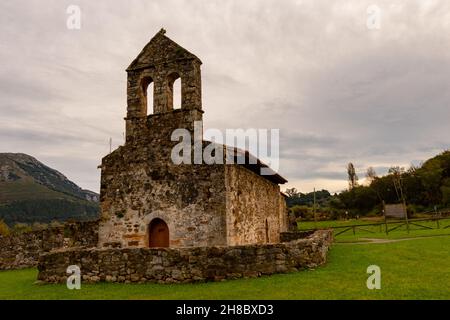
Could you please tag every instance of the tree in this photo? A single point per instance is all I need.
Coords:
(397, 173)
(292, 192)
(445, 190)
(371, 174)
(352, 177)
(431, 175)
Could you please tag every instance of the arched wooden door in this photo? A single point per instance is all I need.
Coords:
(158, 235)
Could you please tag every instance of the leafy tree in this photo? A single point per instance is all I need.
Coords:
(445, 190)
(352, 177)
(431, 176)
(298, 198)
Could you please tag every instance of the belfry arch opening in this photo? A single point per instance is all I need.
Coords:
(158, 234)
(148, 90)
(174, 99)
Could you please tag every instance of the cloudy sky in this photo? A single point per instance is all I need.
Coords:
(338, 84)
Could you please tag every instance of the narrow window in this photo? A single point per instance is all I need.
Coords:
(177, 94)
(173, 91)
(147, 96)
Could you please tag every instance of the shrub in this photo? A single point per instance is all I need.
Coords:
(299, 211)
(375, 212)
(4, 229)
(55, 224)
(309, 215)
(37, 226)
(21, 228)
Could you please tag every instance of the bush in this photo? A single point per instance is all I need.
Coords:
(37, 226)
(21, 228)
(56, 224)
(299, 211)
(309, 215)
(4, 229)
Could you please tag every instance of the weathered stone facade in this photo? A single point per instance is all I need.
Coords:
(256, 211)
(23, 250)
(193, 204)
(171, 265)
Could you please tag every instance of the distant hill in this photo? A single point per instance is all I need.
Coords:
(33, 192)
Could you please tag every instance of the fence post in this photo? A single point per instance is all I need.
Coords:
(384, 213)
(386, 225)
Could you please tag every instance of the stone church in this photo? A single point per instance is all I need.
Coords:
(148, 201)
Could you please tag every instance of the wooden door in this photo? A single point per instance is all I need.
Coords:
(158, 234)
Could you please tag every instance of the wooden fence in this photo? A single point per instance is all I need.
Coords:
(438, 222)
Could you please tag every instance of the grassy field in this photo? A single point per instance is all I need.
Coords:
(411, 269)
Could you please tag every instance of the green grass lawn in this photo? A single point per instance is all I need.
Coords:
(410, 269)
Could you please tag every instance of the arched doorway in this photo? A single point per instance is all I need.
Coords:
(158, 233)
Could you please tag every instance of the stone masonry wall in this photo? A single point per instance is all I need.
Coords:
(256, 210)
(181, 265)
(23, 250)
(294, 235)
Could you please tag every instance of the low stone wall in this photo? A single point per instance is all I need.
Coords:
(170, 265)
(23, 250)
(294, 235)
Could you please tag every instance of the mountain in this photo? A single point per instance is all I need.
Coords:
(33, 192)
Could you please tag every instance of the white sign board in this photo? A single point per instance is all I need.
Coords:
(395, 211)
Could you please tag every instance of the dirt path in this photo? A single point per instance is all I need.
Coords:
(376, 240)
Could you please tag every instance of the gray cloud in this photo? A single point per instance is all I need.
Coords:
(337, 91)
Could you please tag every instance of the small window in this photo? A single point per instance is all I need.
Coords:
(147, 99)
(177, 94)
(174, 91)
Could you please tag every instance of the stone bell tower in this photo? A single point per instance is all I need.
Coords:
(161, 62)
(146, 199)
